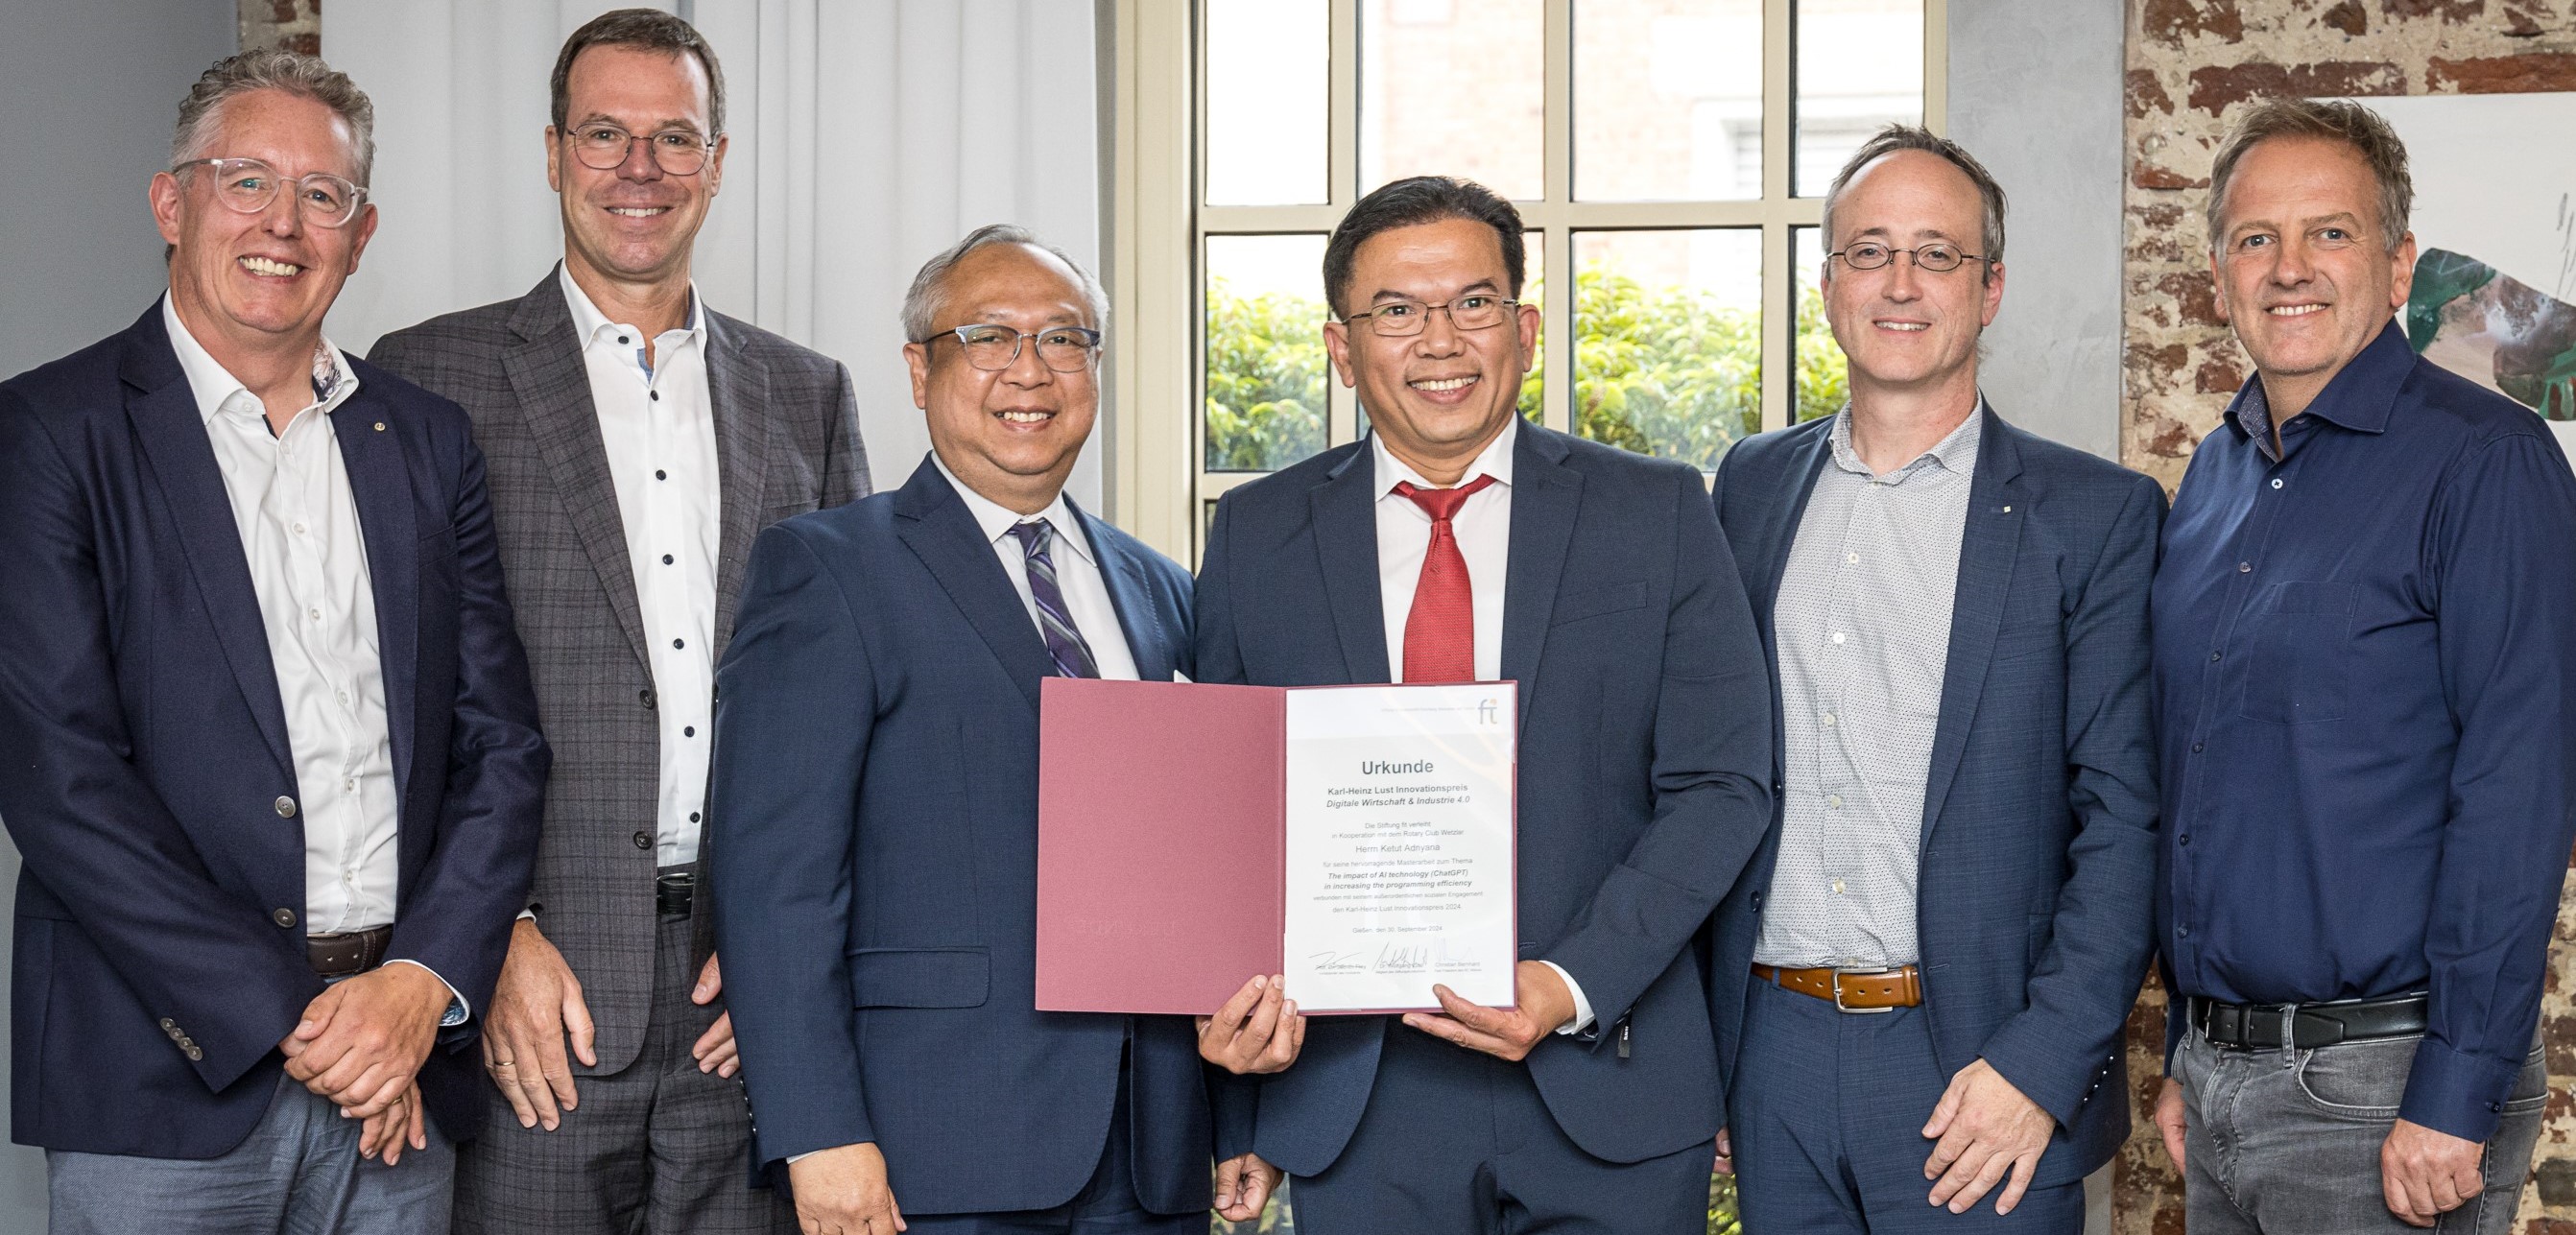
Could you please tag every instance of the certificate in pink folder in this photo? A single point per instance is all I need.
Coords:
(1356, 839)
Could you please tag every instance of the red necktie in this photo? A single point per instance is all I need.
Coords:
(1440, 632)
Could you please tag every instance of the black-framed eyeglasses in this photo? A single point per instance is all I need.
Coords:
(249, 185)
(1065, 349)
(604, 147)
(1938, 258)
(1473, 311)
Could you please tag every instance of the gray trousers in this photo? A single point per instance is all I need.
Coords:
(656, 1147)
(299, 1173)
(2285, 1142)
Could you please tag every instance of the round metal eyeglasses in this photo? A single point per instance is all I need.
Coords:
(1065, 349)
(1938, 258)
(604, 147)
(249, 185)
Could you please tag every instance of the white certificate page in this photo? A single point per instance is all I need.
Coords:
(1400, 846)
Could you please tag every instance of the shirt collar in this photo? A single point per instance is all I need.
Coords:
(591, 323)
(997, 520)
(2359, 397)
(1494, 460)
(1955, 453)
(214, 386)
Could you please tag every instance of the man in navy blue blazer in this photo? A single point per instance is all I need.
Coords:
(1920, 982)
(273, 756)
(1458, 541)
(874, 837)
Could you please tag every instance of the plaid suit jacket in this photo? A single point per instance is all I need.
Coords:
(787, 441)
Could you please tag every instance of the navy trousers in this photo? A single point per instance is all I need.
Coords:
(1827, 1122)
(1455, 1142)
(1107, 1204)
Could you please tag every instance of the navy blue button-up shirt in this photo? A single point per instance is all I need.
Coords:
(2365, 665)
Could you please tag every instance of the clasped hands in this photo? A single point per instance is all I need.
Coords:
(361, 1042)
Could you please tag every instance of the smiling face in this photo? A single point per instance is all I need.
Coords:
(1438, 397)
(2304, 269)
(635, 222)
(265, 280)
(1907, 329)
(1011, 434)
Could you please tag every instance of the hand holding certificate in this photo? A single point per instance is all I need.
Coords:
(1357, 841)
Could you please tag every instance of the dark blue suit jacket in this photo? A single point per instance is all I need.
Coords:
(162, 901)
(1644, 740)
(2037, 872)
(875, 851)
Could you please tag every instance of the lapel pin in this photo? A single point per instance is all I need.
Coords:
(380, 427)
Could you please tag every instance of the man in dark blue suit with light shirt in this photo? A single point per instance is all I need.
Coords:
(1456, 543)
(272, 749)
(1920, 983)
(874, 841)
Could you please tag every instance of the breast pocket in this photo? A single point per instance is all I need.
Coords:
(2299, 645)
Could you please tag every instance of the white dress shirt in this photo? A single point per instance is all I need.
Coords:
(308, 566)
(1483, 526)
(1077, 573)
(658, 424)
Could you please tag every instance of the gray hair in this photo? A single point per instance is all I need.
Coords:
(201, 113)
(2357, 128)
(1896, 137)
(923, 301)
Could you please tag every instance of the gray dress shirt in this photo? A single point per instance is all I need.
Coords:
(1861, 630)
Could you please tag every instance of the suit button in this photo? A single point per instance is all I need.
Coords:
(194, 1055)
(285, 807)
(643, 840)
(169, 1026)
(283, 917)
(646, 695)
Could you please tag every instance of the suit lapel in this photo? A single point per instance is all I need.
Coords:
(553, 386)
(1546, 495)
(1805, 463)
(935, 524)
(1131, 596)
(380, 487)
(1988, 548)
(1344, 511)
(738, 386)
(163, 411)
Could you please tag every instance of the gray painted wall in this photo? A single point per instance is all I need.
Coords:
(95, 86)
(2035, 94)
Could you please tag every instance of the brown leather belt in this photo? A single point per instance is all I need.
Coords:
(341, 956)
(1852, 990)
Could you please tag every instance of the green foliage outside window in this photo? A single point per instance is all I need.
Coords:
(1663, 371)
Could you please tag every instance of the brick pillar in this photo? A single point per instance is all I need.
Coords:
(291, 25)
(2190, 63)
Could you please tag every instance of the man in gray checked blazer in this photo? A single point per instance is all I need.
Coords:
(636, 442)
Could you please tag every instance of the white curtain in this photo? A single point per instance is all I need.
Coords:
(867, 135)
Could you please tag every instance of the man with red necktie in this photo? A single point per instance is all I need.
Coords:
(1457, 543)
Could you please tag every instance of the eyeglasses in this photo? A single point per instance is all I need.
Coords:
(1938, 258)
(248, 186)
(1065, 349)
(604, 147)
(1399, 318)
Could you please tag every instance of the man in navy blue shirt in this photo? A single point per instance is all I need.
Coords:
(2365, 661)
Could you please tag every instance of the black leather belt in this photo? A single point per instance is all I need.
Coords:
(341, 956)
(674, 893)
(2261, 1026)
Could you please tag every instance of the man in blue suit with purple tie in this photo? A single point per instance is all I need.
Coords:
(1459, 542)
(874, 837)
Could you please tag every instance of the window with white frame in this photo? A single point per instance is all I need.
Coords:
(1667, 157)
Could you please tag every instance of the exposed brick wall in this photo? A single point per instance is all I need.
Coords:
(293, 25)
(2189, 64)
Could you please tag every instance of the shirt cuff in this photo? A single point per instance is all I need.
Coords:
(1582, 1006)
(2455, 1092)
(458, 1011)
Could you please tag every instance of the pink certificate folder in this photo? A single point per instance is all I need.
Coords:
(1162, 844)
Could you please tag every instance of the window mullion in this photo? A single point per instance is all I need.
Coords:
(1341, 404)
(1556, 318)
(1779, 135)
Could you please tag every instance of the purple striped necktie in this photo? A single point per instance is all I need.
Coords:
(1063, 640)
